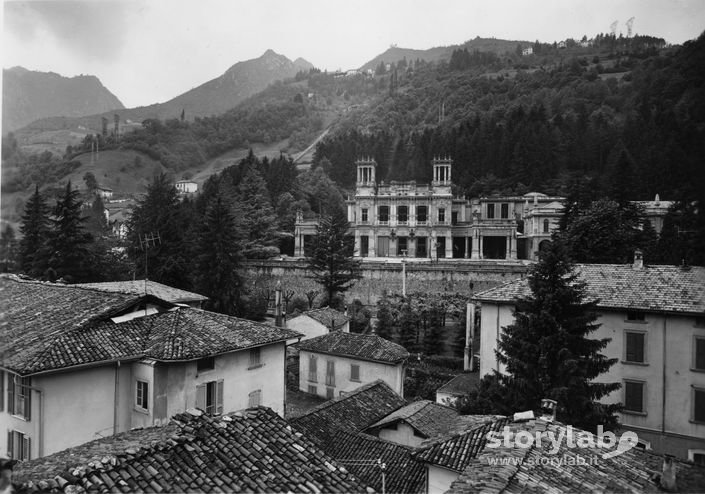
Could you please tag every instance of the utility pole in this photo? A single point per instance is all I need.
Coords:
(148, 240)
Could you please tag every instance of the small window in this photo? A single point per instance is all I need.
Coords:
(254, 399)
(19, 446)
(330, 393)
(636, 316)
(490, 211)
(364, 215)
(312, 390)
(422, 214)
(255, 356)
(209, 397)
(697, 456)
(330, 373)
(699, 405)
(441, 215)
(699, 350)
(312, 369)
(142, 395)
(384, 214)
(634, 396)
(635, 344)
(504, 211)
(354, 372)
(205, 364)
(403, 214)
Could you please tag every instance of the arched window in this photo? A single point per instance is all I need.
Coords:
(545, 226)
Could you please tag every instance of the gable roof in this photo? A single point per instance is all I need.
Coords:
(137, 287)
(52, 327)
(461, 384)
(360, 346)
(511, 469)
(253, 451)
(326, 316)
(352, 412)
(618, 286)
(427, 417)
(360, 453)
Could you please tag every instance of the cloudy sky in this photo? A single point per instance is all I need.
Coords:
(148, 51)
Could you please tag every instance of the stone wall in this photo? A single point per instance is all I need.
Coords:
(380, 277)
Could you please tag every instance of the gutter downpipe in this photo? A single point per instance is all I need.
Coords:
(116, 398)
(663, 378)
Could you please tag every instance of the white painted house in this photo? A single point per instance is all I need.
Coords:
(337, 363)
(655, 318)
(77, 364)
(186, 186)
(318, 322)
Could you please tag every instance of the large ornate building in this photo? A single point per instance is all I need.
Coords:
(406, 219)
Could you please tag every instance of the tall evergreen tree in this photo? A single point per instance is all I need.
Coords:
(217, 259)
(332, 264)
(35, 232)
(259, 219)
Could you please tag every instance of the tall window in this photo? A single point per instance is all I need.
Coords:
(421, 214)
(699, 350)
(2, 390)
(383, 214)
(364, 215)
(330, 393)
(330, 373)
(545, 226)
(19, 396)
(634, 344)
(454, 218)
(254, 399)
(354, 372)
(209, 397)
(19, 446)
(402, 246)
(441, 215)
(312, 369)
(490, 211)
(255, 357)
(403, 214)
(142, 395)
(504, 211)
(634, 396)
(699, 405)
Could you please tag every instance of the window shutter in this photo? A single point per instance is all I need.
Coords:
(27, 399)
(10, 449)
(201, 397)
(26, 451)
(219, 398)
(2, 390)
(11, 393)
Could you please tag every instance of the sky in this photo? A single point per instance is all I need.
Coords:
(149, 51)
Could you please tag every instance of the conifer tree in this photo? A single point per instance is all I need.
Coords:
(385, 319)
(35, 232)
(259, 219)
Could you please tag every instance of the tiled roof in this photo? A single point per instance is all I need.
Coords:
(326, 316)
(427, 417)
(50, 327)
(137, 287)
(361, 346)
(455, 452)
(360, 453)
(617, 286)
(353, 412)
(250, 451)
(511, 469)
(461, 384)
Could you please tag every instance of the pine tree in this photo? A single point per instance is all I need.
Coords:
(547, 350)
(259, 219)
(408, 327)
(385, 319)
(218, 258)
(8, 250)
(332, 264)
(35, 233)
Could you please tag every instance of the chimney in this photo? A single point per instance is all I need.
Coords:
(668, 475)
(278, 305)
(638, 259)
(548, 409)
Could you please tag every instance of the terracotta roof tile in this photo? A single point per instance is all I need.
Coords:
(326, 316)
(253, 451)
(616, 286)
(137, 287)
(361, 346)
(461, 384)
(427, 417)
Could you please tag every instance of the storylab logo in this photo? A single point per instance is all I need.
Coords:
(568, 436)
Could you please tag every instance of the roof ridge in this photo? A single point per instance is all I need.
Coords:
(346, 396)
(458, 434)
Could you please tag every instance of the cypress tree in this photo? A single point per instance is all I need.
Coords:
(35, 233)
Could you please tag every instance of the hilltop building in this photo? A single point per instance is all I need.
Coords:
(186, 186)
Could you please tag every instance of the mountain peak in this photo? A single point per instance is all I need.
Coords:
(270, 53)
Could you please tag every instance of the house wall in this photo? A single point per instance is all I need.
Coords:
(439, 479)
(393, 375)
(401, 434)
(667, 373)
(308, 326)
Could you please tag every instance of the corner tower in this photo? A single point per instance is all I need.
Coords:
(441, 175)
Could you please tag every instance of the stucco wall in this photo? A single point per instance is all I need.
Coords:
(439, 479)
(308, 326)
(369, 372)
(402, 434)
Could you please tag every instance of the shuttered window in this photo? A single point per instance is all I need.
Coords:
(330, 373)
(634, 396)
(19, 396)
(635, 347)
(312, 369)
(354, 372)
(255, 399)
(209, 397)
(19, 446)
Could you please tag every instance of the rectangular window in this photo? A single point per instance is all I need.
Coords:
(364, 215)
(403, 214)
(205, 364)
(19, 396)
(312, 369)
(699, 350)
(19, 446)
(421, 214)
(2, 390)
(382, 246)
(403, 246)
(441, 215)
(504, 211)
(699, 405)
(634, 396)
(383, 215)
(697, 456)
(254, 399)
(354, 372)
(634, 343)
(312, 390)
(636, 316)
(454, 218)
(490, 211)
(255, 357)
(142, 395)
(330, 373)
(209, 397)
(330, 393)
(421, 247)
(364, 245)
